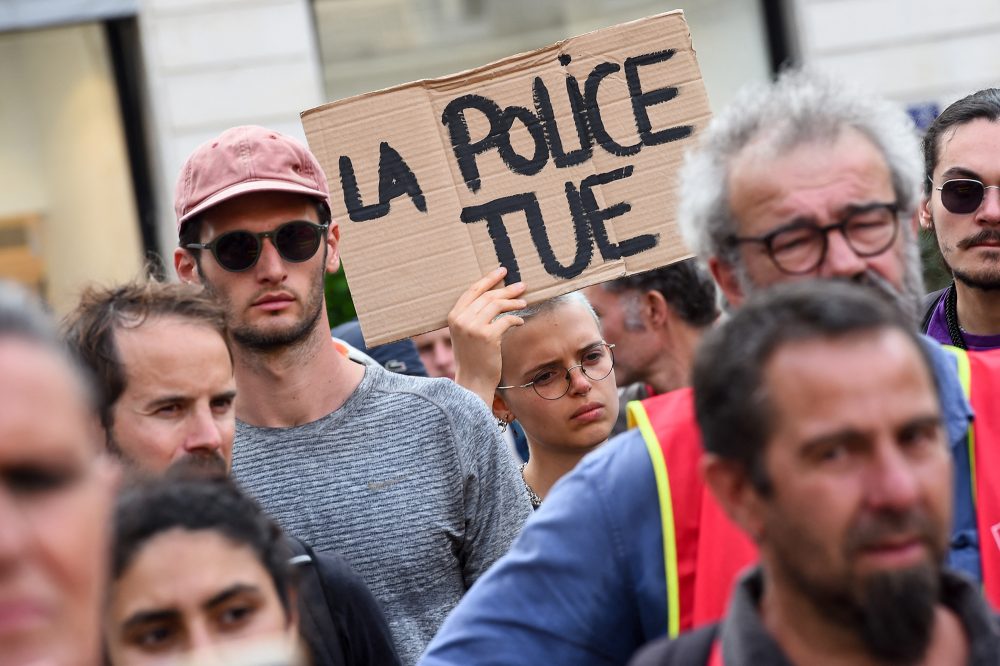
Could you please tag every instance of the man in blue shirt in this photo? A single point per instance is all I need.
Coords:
(839, 470)
(798, 179)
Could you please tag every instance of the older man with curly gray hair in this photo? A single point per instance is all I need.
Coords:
(784, 167)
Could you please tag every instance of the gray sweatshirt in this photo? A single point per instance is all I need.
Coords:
(409, 480)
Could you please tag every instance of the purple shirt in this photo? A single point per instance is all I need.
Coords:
(937, 328)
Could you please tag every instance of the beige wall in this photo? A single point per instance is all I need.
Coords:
(214, 64)
(62, 155)
(917, 52)
(371, 44)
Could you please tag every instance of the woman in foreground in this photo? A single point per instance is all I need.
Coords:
(199, 573)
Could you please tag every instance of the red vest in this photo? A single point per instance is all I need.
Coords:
(979, 373)
(703, 550)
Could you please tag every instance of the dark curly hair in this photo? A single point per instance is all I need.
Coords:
(193, 499)
(982, 104)
(685, 285)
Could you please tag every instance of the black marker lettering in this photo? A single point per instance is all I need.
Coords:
(643, 100)
(395, 178)
(514, 161)
(493, 213)
(600, 133)
(527, 204)
(466, 152)
(598, 216)
(581, 234)
(356, 209)
(543, 107)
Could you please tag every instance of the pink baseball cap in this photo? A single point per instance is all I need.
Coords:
(242, 160)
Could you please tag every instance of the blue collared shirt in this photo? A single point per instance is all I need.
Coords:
(584, 582)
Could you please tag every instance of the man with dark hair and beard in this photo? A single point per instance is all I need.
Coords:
(407, 477)
(655, 320)
(961, 206)
(822, 428)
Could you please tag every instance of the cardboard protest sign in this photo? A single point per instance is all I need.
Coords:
(558, 164)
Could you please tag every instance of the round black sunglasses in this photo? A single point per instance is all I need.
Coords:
(963, 195)
(236, 251)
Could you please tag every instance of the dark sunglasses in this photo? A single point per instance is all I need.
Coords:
(236, 251)
(963, 195)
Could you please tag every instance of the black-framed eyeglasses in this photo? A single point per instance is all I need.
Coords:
(962, 196)
(236, 251)
(596, 363)
(800, 247)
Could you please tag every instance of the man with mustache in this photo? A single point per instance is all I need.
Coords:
(822, 427)
(803, 178)
(961, 207)
(166, 394)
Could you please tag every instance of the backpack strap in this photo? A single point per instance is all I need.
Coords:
(931, 301)
(316, 623)
(348, 622)
(700, 646)
(692, 648)
(715, 656)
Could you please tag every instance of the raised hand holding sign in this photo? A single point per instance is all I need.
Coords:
(557, 164)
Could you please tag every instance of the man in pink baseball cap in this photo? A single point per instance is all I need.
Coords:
(406, 477)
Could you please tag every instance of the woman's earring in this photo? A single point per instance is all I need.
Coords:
(503, 423)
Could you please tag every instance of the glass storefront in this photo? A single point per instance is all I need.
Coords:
(67, 208)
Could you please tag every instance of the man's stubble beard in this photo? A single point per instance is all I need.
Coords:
(911, 299)
(200, 463)
(211, 462)
(250, 337)
(891, 612)
(980, 282)
(988, 278)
